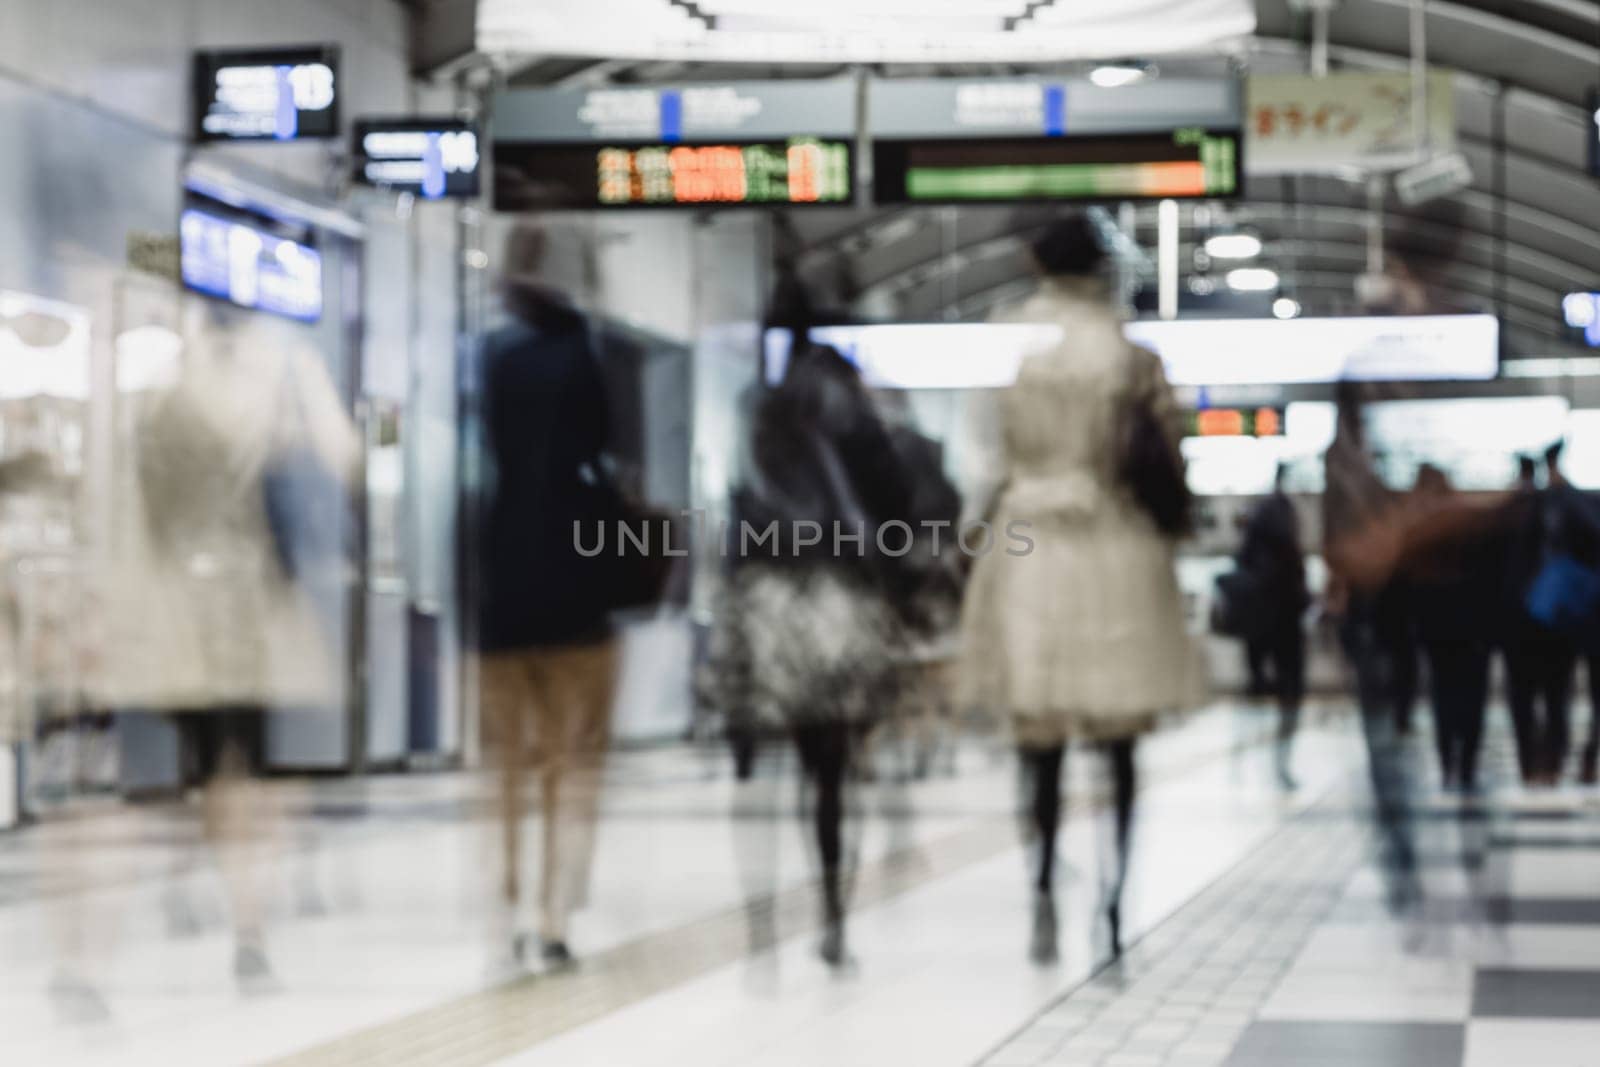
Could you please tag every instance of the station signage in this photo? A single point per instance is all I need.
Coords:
(740, 144)
(430, 158)
(256, 263)
(279, 94)
(1348, 119)
(986, 141)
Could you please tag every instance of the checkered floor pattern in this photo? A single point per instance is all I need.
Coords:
(1294, 959)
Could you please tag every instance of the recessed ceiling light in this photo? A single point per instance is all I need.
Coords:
(1233, 246)
(1286, 308)
(1115, 75)
(1252, 280)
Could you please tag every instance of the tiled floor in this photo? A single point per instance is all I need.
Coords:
(1295, 958)
(380, 940)
(1259, 932)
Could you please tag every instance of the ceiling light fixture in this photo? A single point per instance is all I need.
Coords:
(1252, 280)
(1116, 75)
(1233, 246)
(1285, 308)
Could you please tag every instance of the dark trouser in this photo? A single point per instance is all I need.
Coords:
(1403, 660)
(1539, 678)
(1371, 658)
(1257, 652)
(1458, 672)
(1286, 649)
(1042, 777)
(1591, 747)
(824, 749)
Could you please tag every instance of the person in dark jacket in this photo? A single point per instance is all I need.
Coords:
(1539, 662)
(1271, 555)
(1558, 520)
(811, 628)
(546, 651)
(1454, 600)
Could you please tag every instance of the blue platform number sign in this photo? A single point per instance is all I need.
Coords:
(288, 116)
(1055, 110)
(671, 116)
(433, 167)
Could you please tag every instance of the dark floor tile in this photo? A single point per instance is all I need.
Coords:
(1290, 1044)
(1494, 907)
(1583, 842)
(1510, 994)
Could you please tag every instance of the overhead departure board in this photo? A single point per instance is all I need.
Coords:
(743, 144)
(1188, 163)
(985, 141)
(796, 171)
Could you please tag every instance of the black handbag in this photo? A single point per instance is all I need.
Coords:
(631, 574)
(1151, 466)
(1239, 607)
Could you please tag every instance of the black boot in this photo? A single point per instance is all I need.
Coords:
(1043, 948)
(832, 948)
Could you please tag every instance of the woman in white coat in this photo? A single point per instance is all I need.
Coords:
(1081, 638)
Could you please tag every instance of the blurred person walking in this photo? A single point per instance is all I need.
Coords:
(1454, 604)
(235, 530)
(1362, 542)
(546, 649)
(1083, 638)
(812, 627)
(1539, 661)
(1556, 568)
(1270, 584)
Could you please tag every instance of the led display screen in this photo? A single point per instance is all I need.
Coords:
(795, 171)
(430, 158)
(1188, 163)
(253, 263)
(1234, 422)
(283, 94)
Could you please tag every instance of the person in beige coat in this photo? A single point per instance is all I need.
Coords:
(200, 615)
(1081, 638)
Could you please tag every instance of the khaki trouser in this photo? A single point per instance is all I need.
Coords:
(548, 710)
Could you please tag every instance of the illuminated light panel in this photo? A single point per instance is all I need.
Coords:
(1236, 422)
(801, 172)
(1185, 164)
(1065, 181)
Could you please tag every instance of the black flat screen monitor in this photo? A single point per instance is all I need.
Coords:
(278, 94)
(793, 172)
(430, 158)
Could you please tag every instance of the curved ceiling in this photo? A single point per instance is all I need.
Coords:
(1524, 233)
(857, 31)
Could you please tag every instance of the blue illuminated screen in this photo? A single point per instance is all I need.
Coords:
(250, 266)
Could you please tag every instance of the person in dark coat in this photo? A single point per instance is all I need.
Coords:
(811, 628)
(546, 653)
(1454, 601)
(1557, 520)
(1271, 555)
(1538, 661)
